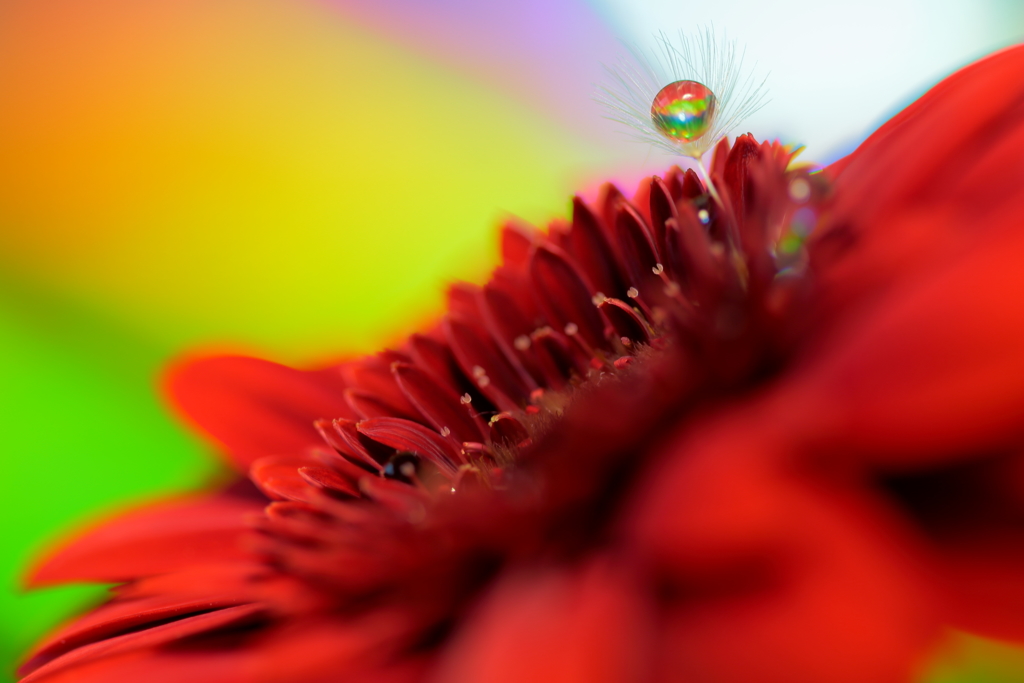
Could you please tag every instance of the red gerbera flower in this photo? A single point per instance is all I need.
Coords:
(672, 440)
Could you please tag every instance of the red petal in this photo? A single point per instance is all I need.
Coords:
(691, 186)
(367, 405)
(917, 146)
(330, 480)
(346, 465)
(638, 252)
(342, 456)
(156, 635)
(663, 208)
(154, 540)
(973, 515)
(642, 199)
(403, 435)
(368, 451)
(396, 496)
(933, 373)
(564, 297)
(440, 406)
(736, 175)
(516, 241)
(590, 248)
(608, 201)
(506, 325)
(462, 300)
(985, 594)
(253, 407)
(278, 477)
(916, 190)
(372, 377)
(769, 574)
(624, 321)
(121, 616)
(674, 182)
(557, 627)
(557, 357)
(319, 650)
(719, 158)
(484, 363)
(505, 429)
(436, 358)
(701, 270)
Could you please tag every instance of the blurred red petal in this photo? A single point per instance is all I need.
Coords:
(122, 616)
(404, 435)
(558, 626)
(157, 635)
(919, 190)
(440, 405)
(913, 150)
(153, 540)
(932, 372)
(253, 407)
(564, 296)
(768, 574)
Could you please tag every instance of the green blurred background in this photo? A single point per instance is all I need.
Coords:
(300, 178)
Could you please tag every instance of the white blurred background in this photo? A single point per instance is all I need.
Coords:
(837, 69)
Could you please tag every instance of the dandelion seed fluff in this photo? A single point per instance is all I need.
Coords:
(713, 62)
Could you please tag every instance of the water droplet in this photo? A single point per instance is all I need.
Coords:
(683, 110)
(703, 216)
(401, 466)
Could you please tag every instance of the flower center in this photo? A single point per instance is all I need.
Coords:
(491, 409)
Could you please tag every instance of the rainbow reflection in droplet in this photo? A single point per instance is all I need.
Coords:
(683, 110)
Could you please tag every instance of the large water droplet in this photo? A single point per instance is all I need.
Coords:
(683, 110)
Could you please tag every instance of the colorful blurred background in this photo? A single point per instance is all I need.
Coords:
(300, 178)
